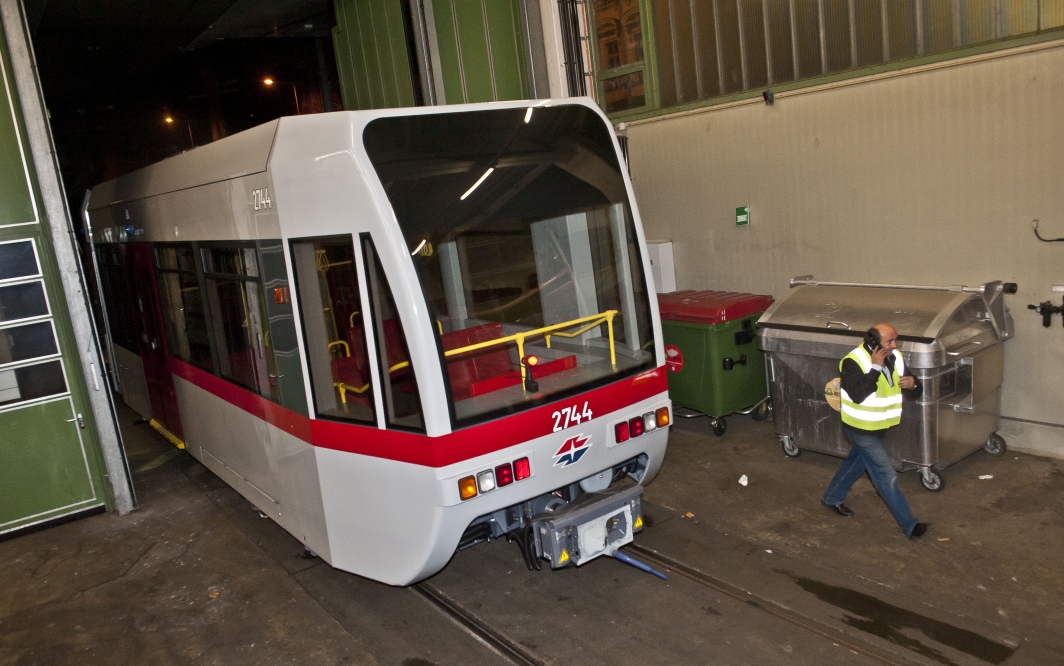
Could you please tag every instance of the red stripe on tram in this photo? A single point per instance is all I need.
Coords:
(418, 449)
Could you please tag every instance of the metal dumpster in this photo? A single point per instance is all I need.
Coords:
(950, 337)
(715, 367)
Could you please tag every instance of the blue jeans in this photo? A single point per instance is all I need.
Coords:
(868, 453)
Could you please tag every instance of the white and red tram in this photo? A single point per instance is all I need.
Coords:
(399, 332)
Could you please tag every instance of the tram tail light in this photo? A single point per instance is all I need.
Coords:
(522, 470)
(663, 417)
(620, 432)
(467, 487)
(504, 475)
(650, 422)
(635, 426)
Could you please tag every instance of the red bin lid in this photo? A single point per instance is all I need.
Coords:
(710, 307)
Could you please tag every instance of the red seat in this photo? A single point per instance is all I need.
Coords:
(349, 372)
(491, 363)
(353, 371)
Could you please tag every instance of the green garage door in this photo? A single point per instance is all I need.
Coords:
(49, 455)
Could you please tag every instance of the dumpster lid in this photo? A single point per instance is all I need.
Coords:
(710, 307)
(917, 315)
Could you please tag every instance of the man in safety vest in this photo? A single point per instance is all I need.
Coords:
(873, 377)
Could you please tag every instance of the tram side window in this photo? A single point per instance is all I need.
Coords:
(333, 328)
(182, 304)
(238, 318)
(401, 397)
(116, 293)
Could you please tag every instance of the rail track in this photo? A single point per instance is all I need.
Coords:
(517, 653)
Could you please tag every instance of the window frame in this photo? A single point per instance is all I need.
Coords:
(366, 244)
(369, 338)
(57, 356)
(203, 275)
(651, 81)
(648, 66)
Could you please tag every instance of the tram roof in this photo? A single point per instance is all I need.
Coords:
(238, 155)
(243, 154)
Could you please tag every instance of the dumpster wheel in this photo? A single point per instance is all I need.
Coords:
(932, 480)
(761, 412)
(719, 425)
(995, 444)
(790, 448)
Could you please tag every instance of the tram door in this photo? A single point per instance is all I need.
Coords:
(151, 339)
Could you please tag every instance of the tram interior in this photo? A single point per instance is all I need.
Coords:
(520, 229)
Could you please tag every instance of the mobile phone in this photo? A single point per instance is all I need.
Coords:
(871, 340)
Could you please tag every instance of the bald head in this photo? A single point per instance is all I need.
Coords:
(888, 336)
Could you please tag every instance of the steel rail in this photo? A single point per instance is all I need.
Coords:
(500, 643)
(771, 607)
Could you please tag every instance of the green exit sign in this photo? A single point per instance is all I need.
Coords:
(742, 216)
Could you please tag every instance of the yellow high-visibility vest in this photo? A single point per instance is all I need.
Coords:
(881, 409)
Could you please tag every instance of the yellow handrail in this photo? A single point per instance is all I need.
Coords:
(592, 321)
(344, 388)
(347, 347)
(351, 319)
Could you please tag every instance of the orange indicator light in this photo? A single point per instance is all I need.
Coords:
(467, 487)
(663, 417)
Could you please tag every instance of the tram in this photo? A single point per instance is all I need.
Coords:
(400, 332)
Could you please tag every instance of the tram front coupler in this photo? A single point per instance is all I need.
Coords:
(594, 524)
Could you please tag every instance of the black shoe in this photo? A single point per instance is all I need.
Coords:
(839, 508)
(920, 530)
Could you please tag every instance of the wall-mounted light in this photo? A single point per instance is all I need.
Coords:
(169, 120)
(267, 81)
(528, 115)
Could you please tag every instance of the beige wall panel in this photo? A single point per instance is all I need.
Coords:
(930, 177)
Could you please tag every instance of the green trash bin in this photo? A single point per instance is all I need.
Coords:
(715, 366)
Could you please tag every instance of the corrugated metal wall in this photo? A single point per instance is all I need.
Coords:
(930, 177)
(371, 54)
(477, 48)
(481, 50)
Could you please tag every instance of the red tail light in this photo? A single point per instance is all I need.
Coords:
(620, 432)
(635, 426)
(522, 470)
(504, 475)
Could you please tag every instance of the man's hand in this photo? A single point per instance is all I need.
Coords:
(879, 356)
(907, 382)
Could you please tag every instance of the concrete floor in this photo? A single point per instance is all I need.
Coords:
(195, 576)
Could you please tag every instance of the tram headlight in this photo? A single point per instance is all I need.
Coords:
(467, 487)
(486, 481)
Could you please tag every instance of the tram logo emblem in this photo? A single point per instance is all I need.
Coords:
(571, 451)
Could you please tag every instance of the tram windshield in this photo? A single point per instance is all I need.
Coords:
(520, 229)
